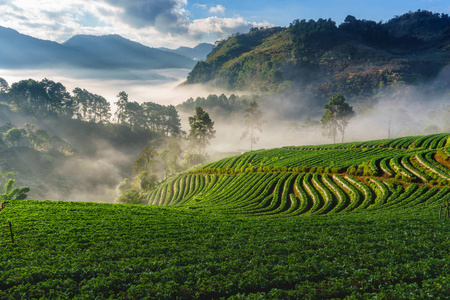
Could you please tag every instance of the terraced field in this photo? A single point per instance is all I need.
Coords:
(235, 229)
(316, 180)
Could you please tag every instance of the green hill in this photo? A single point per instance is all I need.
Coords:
(253, 226)
(326, 179)
(357, 58)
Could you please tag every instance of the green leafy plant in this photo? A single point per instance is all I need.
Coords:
(8, 191)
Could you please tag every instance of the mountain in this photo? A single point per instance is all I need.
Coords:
(118, 52)
(358, 58)
(93, 52)
(199, 52)
(22, 51)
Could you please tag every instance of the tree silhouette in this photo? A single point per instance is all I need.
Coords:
(336, 117)
(202, 129)
(253, 122)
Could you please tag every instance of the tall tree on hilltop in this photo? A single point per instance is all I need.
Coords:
(202, 129)
(253, 122)
(172, 122)
(91, 107)
(121, 107)
(336, 117)
(133, 115)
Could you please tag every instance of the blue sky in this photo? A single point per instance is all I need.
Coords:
(172, 23)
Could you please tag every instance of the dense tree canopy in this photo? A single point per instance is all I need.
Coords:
(47, 98)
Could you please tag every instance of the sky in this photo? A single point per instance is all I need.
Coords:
(174, 23)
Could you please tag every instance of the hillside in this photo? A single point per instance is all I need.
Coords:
(83, 51)
(358, 58)
(316, 180)
(65, 157)
(288, 223)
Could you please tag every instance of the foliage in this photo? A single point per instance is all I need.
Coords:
(13, 136)
(307, 36)
(253, 115)
(8, 191)
(47, 99)
(216, 102)
(259, 182)
(130, 196)
(146, 161)
(90, 107)
(37, 139)
(147, 181)
(336, 117)
(91, 250)
(360, 58)
(201, 129)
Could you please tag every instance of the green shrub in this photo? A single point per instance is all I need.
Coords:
(352, 170)
(146, 181)
(131, 196)
(11, 193)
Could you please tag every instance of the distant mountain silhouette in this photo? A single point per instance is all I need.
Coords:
(95, 52)
(199, 52)
(22, 51)
(117, 52)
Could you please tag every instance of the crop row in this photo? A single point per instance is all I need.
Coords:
(433, 141)
(289, 194)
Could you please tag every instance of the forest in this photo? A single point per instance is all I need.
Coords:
(360, 58)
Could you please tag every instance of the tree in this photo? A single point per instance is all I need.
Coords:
(121, 107)
(336, 117)
(13, 135)
(4, 89)
(202, 129)
(170, 157)
(57, 100)
(146, 161)
(131, 196)
(44, 98)
(253, 122)
(133, 115)
(172, 121)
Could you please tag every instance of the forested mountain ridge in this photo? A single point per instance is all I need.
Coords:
(356, 58)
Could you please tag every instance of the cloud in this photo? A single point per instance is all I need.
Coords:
(221, 27)
(218, 9)
(165, 15)
(202, 6)
(154, 23)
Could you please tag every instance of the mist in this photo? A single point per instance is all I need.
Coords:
(394, 112)
(397, 112)
(159, 86)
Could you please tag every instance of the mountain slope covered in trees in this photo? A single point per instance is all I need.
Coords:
(357, 58)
